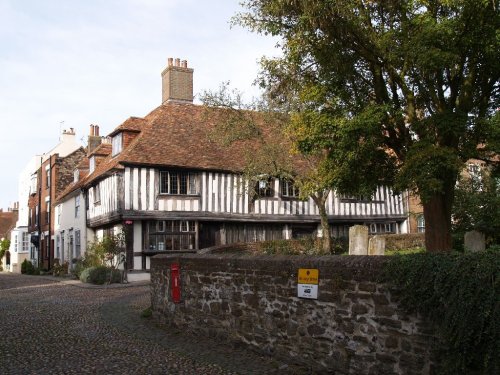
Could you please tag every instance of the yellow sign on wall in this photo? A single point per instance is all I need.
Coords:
(308, 276)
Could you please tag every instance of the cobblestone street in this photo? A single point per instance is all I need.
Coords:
(53, 327)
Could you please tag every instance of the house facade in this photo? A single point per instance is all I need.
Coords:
(21, 247)
(52, 177)
(10, 259)
(71, 234)
(169, 188)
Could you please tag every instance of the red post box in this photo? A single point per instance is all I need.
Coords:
(175, 282)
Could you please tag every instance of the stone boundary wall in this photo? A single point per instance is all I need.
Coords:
(354, 327)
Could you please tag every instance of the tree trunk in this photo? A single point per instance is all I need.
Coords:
(320, 200)
(437, 215)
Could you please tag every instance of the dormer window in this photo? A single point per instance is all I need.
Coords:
(117, 144)
(92, 164)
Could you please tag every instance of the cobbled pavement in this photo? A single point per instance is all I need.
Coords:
(49, 326)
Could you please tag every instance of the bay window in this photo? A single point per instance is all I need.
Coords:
(165, 235)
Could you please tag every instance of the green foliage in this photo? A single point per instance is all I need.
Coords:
(476, 207)
(303, 246)
(60, 269)
(100, 275)
(460, 293)
(4, 246)
(415, 250)
(147, 313)
(398, 93)
(27, 267)
(107, 251)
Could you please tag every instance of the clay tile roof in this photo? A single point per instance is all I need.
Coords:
(103, 149)
(84, 164)
(7, 223)
(178, 135)
(132, 124)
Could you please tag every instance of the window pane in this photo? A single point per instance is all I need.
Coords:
(173, 183)
(192, 183)
(183, 179)
(163, 182)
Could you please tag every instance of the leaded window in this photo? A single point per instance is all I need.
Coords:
(176, 182)
(167, 235)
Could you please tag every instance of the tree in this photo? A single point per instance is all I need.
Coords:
(260, 125)
(108, 252)
(477, 206)
(395, 92)
(4, 247)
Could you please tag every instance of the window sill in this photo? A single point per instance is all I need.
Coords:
(163, 195)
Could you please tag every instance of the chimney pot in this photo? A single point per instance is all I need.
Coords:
(96, 131)
(170, 61)
(177, 82)
(91, 130)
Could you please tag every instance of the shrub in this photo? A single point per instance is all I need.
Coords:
(303, 246)
(28, 268)
(60, 269)
(460, 294)
(100, 275)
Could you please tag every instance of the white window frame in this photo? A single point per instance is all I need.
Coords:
(170, 183)
(97, 195)
(77, 207)
(92, 164)
(420, 224)
(25, 242)
(117, 144)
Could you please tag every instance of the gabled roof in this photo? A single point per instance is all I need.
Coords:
(132, 124)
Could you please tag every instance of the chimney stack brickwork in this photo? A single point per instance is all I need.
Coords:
(94, 139)
(177, 82)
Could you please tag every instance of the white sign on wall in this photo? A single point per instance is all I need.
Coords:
(307, 291)
(307, 283)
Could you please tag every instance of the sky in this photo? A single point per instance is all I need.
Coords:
(68, 64)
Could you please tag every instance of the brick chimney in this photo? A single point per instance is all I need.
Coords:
(177, 82)
(94, 139)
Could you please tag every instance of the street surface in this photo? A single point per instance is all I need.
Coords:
(53, 327)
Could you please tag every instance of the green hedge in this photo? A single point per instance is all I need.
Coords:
(460, 294)
(100, 275)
